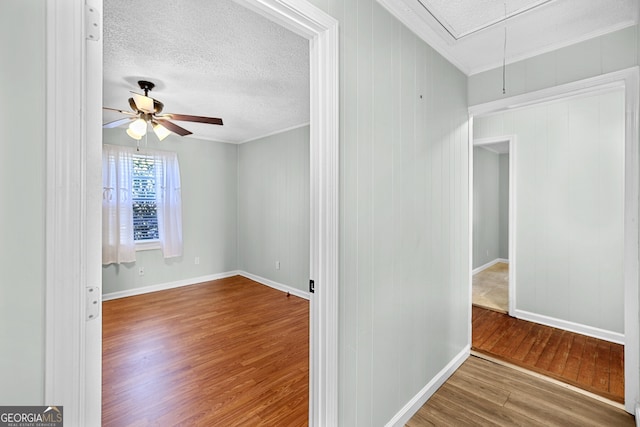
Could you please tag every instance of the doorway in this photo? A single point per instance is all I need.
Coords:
(624, 82)
(493, 255)
(74, 70)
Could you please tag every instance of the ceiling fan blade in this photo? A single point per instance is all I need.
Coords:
(173, 127)
(128, 113)
(144, 103)
(119, 122)
(199, 119)
(133, 105)
(157, 106)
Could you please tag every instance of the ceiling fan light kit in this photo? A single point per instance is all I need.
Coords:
(134, 135)
(161, 131)
(138, 126)
(147, 110)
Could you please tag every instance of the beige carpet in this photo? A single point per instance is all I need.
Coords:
(491, 288)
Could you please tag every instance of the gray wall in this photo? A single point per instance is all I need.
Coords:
(209, 215)
(22, 192)
(404, 263)
(593, 57)
(396, 283)
(503, 205)
(273, 207)
(569, 214)
(486, 206)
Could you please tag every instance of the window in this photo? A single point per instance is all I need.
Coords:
(143, 196)
(141, 203)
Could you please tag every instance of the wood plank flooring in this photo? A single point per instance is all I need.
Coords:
(591, 364)
(482, 393)
(223, 353)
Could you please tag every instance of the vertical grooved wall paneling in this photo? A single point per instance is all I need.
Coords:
(273, 207)
(570, 207)
(403, 213)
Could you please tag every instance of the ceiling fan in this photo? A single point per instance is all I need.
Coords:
(147, 110)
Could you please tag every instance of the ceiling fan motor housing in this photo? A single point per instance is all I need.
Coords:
(146, 86)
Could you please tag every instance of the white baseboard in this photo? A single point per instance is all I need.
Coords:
(275, 285)
(201, 279)
(489, 264)
(566, 325)
(409, 410)
(637, 415)
(168, 285)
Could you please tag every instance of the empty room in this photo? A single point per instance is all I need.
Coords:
(197, 244)
(205, 280)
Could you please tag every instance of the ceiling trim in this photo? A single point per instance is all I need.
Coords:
(421, 22)
(417, 23)
(255, 138)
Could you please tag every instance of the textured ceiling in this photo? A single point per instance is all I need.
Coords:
(545, 26)
(207, 58)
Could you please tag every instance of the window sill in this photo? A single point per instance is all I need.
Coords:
(147, 246)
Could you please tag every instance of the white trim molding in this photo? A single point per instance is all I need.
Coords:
(275, 285)
(321, 30)
(168, 285)
(203, 279)
(73, 111)
(413, 15)
(488, 265)
(409, 410)
(566, 325)
(277, 132)
(66, 264)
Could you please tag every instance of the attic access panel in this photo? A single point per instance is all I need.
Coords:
(461, 18)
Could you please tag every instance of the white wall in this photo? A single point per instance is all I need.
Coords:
(569, 212)
(273, 207)
(22, 192)
(404, 249)
(486, 206)
(208, 172)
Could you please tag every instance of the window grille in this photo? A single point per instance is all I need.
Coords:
(145, 215)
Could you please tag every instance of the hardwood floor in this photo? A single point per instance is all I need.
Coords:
(482, 393)
(588, 363)
(222, 353)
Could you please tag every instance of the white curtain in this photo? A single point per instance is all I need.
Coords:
(117, 213)
(169, 203)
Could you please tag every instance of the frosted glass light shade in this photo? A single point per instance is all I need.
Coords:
(161, 131)
(139, 127)
(134, 135)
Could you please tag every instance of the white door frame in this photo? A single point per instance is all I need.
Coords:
(510, 139)
(73, 138)
(627, 79)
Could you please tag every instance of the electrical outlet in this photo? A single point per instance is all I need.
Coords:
(141, 271)
(196, 261)
(277, 265)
